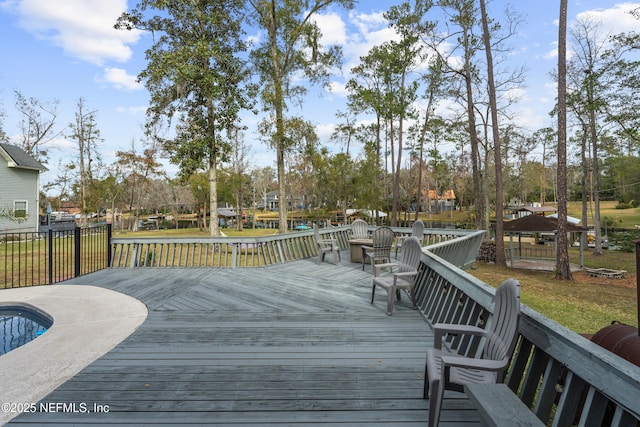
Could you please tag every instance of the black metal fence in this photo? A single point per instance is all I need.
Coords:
(44, 258)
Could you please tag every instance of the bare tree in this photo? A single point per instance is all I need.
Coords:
(459, 39)
(238, 162)
(263, 179)
(432, 94)
(37, 124)
(85, 133)
(138, 168)
(589, 44)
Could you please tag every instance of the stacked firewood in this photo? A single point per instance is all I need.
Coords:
(487, 251)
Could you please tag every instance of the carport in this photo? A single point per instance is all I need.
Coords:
(538, 224)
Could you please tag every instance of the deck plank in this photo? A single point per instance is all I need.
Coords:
(295, 344)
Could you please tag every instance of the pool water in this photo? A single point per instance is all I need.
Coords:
(20, 325)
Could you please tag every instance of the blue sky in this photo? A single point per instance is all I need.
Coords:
(68, 49)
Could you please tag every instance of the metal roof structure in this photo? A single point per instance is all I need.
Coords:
(536, 224)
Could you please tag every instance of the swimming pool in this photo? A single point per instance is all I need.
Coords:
(19, 325)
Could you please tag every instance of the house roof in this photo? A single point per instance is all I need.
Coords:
(536, 224)
(226, 212)
(446, 195)
(570, 219)
(16, 157)
(534, 209)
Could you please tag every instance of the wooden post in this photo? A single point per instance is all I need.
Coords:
(637, 242)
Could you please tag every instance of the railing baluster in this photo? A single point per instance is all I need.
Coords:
(548, 358)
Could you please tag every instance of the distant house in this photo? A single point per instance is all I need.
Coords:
(271, 202)
(19, 189)
(441, 202)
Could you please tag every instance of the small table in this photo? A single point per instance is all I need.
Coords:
(355, 246)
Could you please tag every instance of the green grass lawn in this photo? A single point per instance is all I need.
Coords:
(584, 305)
(622, 218)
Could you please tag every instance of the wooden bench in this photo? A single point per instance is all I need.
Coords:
(500, 407)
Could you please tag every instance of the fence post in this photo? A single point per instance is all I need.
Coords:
(109, 235)
(77, 251)
(50, 260)
(637, 242)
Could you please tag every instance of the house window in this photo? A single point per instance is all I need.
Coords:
(20, 208)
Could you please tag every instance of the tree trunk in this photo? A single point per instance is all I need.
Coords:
(394, 191)
(563, 268)
(585, 189)
(474, 140)
(500, 258)
(596, 181)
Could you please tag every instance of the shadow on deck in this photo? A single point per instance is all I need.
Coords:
(290, 344)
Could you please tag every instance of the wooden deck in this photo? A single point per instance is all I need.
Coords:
(296, 344)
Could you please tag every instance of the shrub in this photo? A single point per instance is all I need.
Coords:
(623, 204)
(625, 241)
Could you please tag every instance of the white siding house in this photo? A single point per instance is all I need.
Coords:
(19, 189)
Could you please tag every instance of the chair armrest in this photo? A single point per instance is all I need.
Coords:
(408, 268)
(391, 265)
(473, 363)
(440, 329)
(405, 273)
(327, 241)
(366, 248)
(388, 265)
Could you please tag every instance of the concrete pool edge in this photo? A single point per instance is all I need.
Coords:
(88, 322)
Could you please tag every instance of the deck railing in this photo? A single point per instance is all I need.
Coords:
(540, 252)
(460, 250)
(564, 378)
(233, 252)
(44, 258)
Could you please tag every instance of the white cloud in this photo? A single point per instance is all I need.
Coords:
(366, 21)
(553, 53)
(82, 28)
(368, 30)
(118, 78)
(132, 111)
(333, 29)
(338, 88)
(325, 130)
(616, 19)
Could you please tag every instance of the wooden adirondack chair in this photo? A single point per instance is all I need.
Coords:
(417, 231)
(449, 371)
(359, 229)
(326, 246)
(402, 275)
(381, 248)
